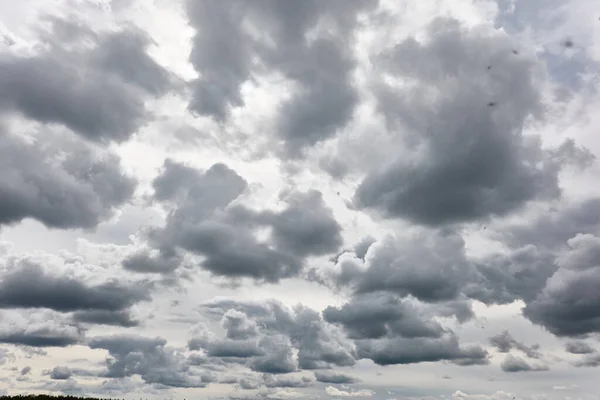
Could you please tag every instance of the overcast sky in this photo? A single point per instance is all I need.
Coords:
(276, 199)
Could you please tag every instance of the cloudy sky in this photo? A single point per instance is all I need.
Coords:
(300, 199)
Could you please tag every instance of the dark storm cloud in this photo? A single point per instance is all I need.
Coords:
(60, 181)
(334, 377)
(105, 317)
(321, 69)
(96, 91)
(204, 221)
(579, 347)
(61, 373)
(28, 285)
(473, 160)
(504, 343)
(149, 358)
(516, 364)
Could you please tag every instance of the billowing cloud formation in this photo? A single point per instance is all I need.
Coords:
(379, 195)
(385, 334)
(204, 221)
(149, 358)
(566, 304)
(309, 44)
(97, 91)
(59, 180)
(466, 122)
(319, 344)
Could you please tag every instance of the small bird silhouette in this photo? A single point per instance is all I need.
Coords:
(515, 52)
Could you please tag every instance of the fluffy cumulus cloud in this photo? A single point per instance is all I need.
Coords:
(300, 199)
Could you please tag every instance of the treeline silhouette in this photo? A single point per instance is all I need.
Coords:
(51, 397)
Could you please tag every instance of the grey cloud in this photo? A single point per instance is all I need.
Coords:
(567, 304)
(228, 348)
(285, 381)
(475, 162)
(590, 360)
(321, 68)
(204, 221)
(224, 348)
(6, 356)
(37, 335)
(306, 226)
(78, 190)
(28, 285)
(579, 347)
(399, 350)
(319, 344)
(430, 266)
(517, 364)
(504, 343)
(238, 326)
(68, 386)
(248, 384)
(519, 274)
(553, 228)
(334, 377)
(277, 357)
(164, 262)
(363, 246)
(97, 92)
(105, 317)
(61, 373)
(26, 370)
(583, 254)
(378, 315)
(149, 358)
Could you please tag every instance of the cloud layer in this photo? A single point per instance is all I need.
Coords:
(278, 200)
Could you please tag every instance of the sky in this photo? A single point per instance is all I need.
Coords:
(309, 199)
